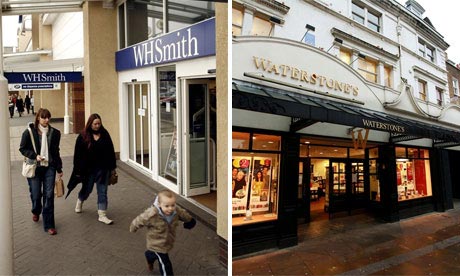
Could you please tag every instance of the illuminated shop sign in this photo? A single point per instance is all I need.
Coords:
(195, 41)
(383, 126)
(304, 76)
(43, 77)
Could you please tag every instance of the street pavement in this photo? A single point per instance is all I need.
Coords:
(428, 244)
(83, 245)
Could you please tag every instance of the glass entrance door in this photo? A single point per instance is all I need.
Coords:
(200, 139)
(139, 124)
(345, 185)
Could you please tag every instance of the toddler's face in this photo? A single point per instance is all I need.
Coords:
(167, 205)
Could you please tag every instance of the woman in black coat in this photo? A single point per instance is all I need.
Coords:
(94, 161)
(46, 153)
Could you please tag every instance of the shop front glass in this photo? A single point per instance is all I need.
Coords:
(255, 175)
(167, 158)
(413, 175)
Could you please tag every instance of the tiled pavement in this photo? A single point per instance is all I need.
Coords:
(359, 245)
(84, 246)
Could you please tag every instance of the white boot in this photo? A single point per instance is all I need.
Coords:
(103, 217)
(78, 206)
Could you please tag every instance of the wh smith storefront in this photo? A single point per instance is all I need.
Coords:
(311, 139)
(167, 91)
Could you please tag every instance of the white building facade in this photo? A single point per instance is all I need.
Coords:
(351, 98)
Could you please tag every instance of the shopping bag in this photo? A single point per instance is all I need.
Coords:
(59, 187)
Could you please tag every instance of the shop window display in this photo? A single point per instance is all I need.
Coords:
(413, 175)
(254, 181)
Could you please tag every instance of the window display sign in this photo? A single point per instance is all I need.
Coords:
(260, 185)
(240, 176)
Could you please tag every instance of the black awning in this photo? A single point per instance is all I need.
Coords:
(254, 97)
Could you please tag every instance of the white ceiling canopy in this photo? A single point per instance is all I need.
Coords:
(19, 7)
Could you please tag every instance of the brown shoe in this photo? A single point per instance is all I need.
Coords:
(52, 231)
(35, 217)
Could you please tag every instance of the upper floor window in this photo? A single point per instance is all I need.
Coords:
(237, 21)
(422, 90)
(455, 87)
(439, 96)
(261, 26)
(366, 17)
(368, 69)
(261, 23)
(425, 50)
(345, 55)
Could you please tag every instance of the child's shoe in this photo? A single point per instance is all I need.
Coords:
(150, 266)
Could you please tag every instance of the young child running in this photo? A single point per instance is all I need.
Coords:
(161, 221)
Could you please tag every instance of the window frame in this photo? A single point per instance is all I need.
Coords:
(439, 96)
(422, 95)
(425, 50)
(364, 71)
(455, 87)
(364, 18)
(236, 25)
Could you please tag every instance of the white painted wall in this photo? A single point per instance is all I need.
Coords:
(68, 36)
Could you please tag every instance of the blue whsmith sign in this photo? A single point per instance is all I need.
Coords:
(194, 41)
(43, 77)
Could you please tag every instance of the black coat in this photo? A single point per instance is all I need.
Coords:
(101, 155)
(54, 138)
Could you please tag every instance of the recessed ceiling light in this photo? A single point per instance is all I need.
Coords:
(307, 142)
(270, 142)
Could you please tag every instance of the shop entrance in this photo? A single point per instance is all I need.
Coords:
(345, 185)
(200, 141)
(139, 124)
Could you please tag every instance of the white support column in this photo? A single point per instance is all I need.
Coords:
(66, 110)
(6, 202)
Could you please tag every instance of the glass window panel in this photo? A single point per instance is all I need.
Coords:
(422, 90)
(413, 178)
(167, 122)
(400, 152)
(345, 56)
(358, 13)
(254, 184)
(237, 21)
(261, 27)
(357, 153)
(374, 153)
(240, 140)
(266, 142)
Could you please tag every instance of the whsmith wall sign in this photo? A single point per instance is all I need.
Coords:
(43, 77)
(40, 80)
(194, 41)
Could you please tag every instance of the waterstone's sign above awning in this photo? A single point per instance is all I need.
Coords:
(192, 42)
(43, 77)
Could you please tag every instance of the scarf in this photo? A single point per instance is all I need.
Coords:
(167, 218)
(44, 146)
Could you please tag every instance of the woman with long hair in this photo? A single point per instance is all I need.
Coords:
(94, 161)
(46, 153)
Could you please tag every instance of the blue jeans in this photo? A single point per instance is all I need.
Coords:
(101, 178)
(42, 186)
(163, 261)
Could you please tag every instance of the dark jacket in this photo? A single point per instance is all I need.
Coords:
(54, 137)
(100, 155)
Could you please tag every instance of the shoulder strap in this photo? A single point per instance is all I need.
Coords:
(32, 139)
